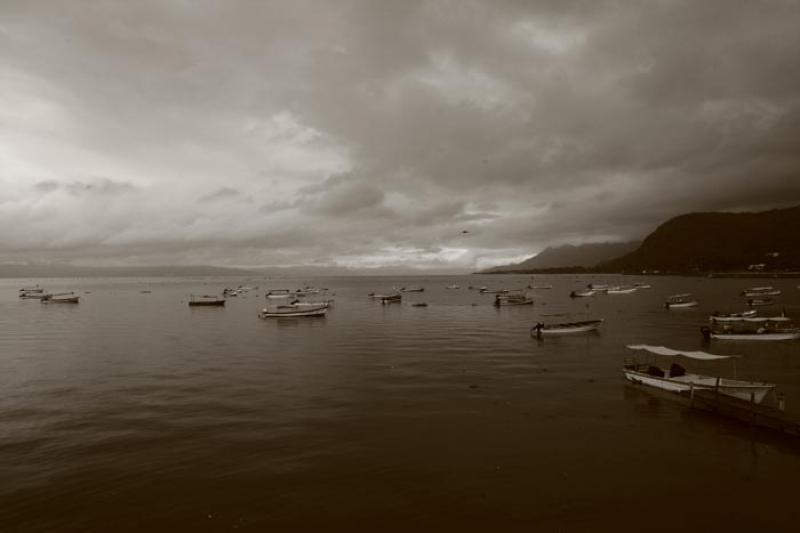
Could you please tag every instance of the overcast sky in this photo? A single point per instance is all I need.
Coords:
(370, 133)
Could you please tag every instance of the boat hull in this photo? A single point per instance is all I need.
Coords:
(743, 390)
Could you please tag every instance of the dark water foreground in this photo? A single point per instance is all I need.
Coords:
(133, 412)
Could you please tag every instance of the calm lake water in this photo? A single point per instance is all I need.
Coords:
(133, 412)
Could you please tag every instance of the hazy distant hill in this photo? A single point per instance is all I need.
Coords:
(77, 271)
(583, 255)
(719, 242)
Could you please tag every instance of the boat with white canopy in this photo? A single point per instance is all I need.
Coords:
(677, 380)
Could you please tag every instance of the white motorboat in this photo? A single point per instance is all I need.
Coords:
(566, 328)
(675, 379)
(760, 302)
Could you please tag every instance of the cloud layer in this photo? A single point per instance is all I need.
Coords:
(373, 133)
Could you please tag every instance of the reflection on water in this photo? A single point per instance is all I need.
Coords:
(132, 410)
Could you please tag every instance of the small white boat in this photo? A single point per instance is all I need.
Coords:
(292, 311)
(760, 302)
(758, 292)
(279, 294)
(33, 295)
(732, 317)
(391, 299)
(32, 290)
(412, 289)
(598, 287)
(640, 285)
(622, 290)
(742, 317)
(484, 290)
(61, 298)
(677, 380)
(680, 301)
(566, 328)
(759, 334)
(515, 299)
(582, 294)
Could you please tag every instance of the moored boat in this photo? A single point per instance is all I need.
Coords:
(583, 294)
(680, 301)
(677, 380)
(762, 333)
(726, 317)
(566, 328)
(412, 289)
(61, 298)
(206, 300)
(278, 294)
(759, 292)
(453, 287)
(391, 299)
(622, 290)
(760, 302)
(513, 299)
(289, 311)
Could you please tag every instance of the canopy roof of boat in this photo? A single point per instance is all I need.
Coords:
(663, 350)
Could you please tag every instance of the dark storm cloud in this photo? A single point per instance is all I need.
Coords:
(379, 131)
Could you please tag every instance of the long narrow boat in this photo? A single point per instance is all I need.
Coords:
(640, 285)
(758, 292)
(412, 289)
(566, 328)
(484, 290)
(37, 295)
(760, 302)
(290, 311)
(749, 318)
(206, 301)
(61, 298)
(729, 317)
(622, 290)
(583, 294)
(279, 294)
(675, 379)
(508, 300)
(391, 299)
(760, 334)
